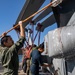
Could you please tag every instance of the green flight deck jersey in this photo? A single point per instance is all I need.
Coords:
(9, 57)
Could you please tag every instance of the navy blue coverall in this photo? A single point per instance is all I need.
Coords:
(35, 62)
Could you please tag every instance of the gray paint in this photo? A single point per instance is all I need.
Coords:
(72, 20)
(61, 41)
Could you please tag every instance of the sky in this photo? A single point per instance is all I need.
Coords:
(9, 12)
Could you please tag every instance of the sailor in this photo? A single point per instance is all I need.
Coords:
(26, 59)
(36, 60)
(9, 52)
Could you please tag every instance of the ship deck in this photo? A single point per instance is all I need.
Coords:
(20, 72)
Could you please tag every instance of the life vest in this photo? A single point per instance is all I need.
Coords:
(27, 53)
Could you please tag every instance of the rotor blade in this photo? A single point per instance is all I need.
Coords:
(48, 22)
(43, 14)
(30, 7)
